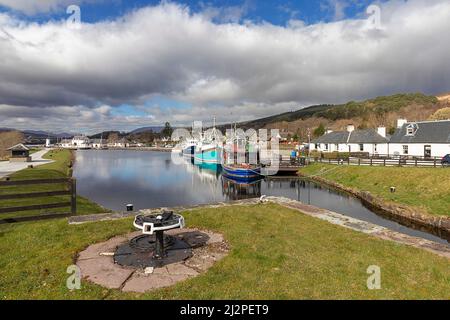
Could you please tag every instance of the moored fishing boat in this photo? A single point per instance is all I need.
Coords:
(209, 153)
(209, 149)
(242, 172)
(189, 148)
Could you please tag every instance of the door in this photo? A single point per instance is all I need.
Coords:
(427, 151)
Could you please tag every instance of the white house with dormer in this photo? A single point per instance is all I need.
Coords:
(371, 141)
(426, 139)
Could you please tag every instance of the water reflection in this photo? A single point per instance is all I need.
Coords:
(151, 179)
(233, 190)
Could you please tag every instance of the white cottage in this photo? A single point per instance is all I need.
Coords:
(99, 144)
(371, 141)
(427, 139)
(81, 142)
(78, 142)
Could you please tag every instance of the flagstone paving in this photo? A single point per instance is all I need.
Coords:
(97, 264)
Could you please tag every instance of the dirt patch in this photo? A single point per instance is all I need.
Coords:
(97, 264)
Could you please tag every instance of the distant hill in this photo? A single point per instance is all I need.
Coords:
(444, 97)
(380, 111)
(287, 117)
(155, 129)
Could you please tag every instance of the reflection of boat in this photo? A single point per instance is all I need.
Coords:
(234, 190)
(243, 172)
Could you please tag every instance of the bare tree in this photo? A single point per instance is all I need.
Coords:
(113, 137)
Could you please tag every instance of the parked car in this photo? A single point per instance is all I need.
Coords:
(446, 160)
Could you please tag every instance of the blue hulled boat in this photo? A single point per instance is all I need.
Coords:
(243, 173)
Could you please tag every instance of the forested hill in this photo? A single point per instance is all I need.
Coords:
(384, 110)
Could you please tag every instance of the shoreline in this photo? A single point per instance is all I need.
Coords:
(331, 217)
(436, 225)
(129, 149)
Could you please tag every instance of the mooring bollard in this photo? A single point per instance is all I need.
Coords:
(130, 207)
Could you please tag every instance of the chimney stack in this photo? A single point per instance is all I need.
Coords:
(401, 122)
(350, 128)
(382, 131)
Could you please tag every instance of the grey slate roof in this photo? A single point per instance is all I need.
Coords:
(427, 132)
(19, 147)
(357, 136)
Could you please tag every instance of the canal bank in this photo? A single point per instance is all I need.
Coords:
(275, 253)
(335, 218)
(438, 225)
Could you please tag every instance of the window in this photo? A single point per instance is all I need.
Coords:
(405, 149)
(326, 146)
(337, 146)
(375, 147)
(361, 147)
(411, 129)
(317, 146)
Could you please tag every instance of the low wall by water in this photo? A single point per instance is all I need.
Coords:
(438, 225)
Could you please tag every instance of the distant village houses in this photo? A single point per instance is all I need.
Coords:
(77, 142)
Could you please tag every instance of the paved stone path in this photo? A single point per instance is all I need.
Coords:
(97, 264)
(7, 168)
(323, 214)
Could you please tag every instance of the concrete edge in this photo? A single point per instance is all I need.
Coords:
(323, 214)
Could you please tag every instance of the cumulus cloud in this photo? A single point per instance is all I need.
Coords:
(39, 6)
(233, 70)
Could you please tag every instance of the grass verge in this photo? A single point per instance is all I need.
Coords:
(59, 168)
(425, 188)
(276, 253)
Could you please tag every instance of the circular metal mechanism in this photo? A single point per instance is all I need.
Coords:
(167, 220)
(153, 248)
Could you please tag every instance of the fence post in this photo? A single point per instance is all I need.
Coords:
(435, 162)
(73, 196)
(359, 161)
(371, 161)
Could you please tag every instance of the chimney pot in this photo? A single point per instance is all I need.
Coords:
(350, 128)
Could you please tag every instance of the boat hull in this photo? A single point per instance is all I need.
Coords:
(208, 156)
(241, 174)
(189, 151)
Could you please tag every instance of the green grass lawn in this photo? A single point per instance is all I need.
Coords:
(424, 188)
(60, 168)
(276, 253)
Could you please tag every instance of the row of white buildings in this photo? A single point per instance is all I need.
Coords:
(426, 139)
(83, 142)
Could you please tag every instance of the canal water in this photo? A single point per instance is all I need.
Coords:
(115, 178)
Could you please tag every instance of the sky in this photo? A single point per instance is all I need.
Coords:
(129, 64)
